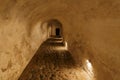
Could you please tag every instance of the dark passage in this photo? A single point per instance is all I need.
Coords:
(57, 32)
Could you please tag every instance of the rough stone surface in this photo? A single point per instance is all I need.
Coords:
(91, 28)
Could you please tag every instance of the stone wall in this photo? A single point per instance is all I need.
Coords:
(91, 28)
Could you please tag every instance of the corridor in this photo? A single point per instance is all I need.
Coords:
(49, 62)
(60, 39)
(53, 61)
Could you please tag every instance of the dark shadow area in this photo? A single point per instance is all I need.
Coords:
(57, 32)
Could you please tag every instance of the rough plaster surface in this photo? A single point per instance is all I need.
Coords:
(91, 29)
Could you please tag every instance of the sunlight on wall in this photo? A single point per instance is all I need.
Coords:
(81, 73)
(65, 47)
(89, 66)
(89, 69)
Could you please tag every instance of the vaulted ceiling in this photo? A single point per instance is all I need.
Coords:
(91, 29)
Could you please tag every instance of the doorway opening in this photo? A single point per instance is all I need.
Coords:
(57, 31)
(55, 28)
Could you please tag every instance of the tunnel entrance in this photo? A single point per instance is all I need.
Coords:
(55, 28)
(51, 58)
(57, 32)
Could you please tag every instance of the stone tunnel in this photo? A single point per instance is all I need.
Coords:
(59, 40)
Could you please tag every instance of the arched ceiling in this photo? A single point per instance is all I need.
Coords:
(91, 29)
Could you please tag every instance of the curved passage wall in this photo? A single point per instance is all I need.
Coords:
(91, 29)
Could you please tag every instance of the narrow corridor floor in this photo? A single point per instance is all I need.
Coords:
(52, 61)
